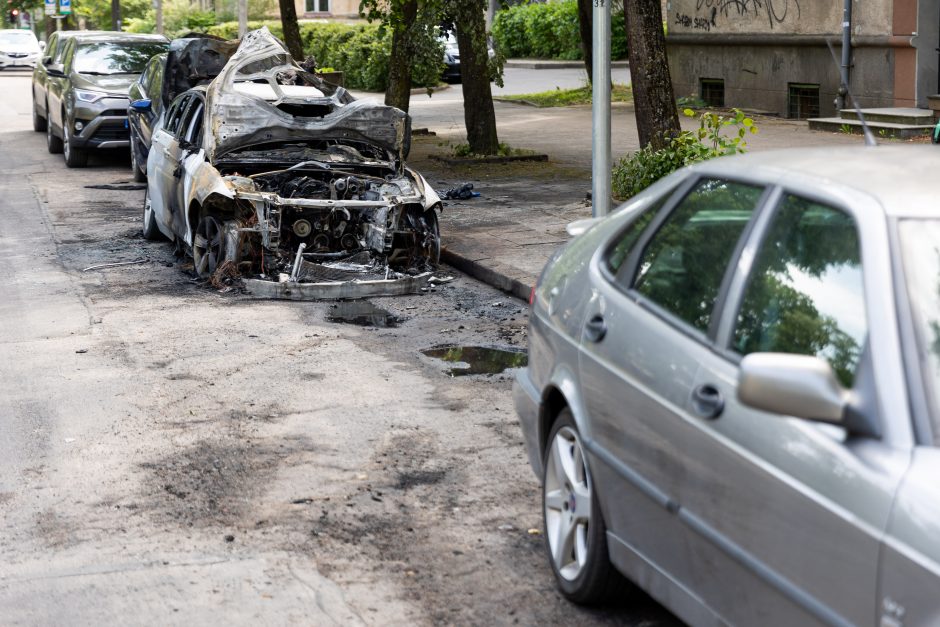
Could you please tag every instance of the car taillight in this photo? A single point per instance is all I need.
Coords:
(532, 296)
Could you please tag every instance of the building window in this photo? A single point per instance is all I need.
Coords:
(713, 91)
(318, 6)
(803, 101)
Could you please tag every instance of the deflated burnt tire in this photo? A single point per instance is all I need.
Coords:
(150, 229)
(575, 534)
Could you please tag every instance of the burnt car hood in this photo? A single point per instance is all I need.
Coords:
(263, 96)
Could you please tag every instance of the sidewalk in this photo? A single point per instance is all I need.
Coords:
(552, 64)
(506, 236)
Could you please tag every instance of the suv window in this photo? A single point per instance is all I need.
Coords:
(60, 52)
(805, 294)
(175, 113)
(683, 265)
(51, 46)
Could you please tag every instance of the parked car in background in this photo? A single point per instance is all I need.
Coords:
(292, 183)
(732, 392)
(19, 48)
(52, 56)
(87, 108)
(451, 72)
(189, 62)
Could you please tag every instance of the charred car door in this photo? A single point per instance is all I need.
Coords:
(162, 167)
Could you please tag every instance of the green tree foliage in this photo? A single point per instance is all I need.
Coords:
(361, 51)
(548, 31)
(638, 171)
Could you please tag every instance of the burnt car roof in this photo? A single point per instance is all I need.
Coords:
(192, 60)
(263, 96)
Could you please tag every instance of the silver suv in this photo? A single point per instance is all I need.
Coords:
(732, 396)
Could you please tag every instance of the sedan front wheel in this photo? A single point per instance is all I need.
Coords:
(575, 533)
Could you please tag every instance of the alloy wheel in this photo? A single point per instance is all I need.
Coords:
(567, 504)
(208, 243)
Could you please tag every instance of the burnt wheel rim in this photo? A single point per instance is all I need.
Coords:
(567, 504)
(207, 246)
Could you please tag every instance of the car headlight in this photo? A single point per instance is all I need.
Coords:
(89, 96)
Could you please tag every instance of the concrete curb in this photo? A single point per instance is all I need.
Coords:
(491, 277)
(548, 64)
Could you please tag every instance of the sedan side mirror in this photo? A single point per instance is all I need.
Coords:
(46, 60)
(792, 385)
(55, 70)
(142, 105)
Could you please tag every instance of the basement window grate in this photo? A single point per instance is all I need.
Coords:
(713, 91)
(803, 101)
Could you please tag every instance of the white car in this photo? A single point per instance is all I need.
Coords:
(19, 48)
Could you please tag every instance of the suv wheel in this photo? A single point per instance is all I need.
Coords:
(74, 157)
(575, 534)
(53, 143)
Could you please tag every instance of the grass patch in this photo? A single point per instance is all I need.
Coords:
(567, 97)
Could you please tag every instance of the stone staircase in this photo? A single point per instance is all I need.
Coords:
(899, 123)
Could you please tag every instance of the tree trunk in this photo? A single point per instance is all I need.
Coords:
(586, 28)
(291, 30)
(116, 15)
(479, 115)
(398, 93)
(653, 97)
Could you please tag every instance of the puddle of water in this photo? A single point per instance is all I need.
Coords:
(362, 313)
(478, 359)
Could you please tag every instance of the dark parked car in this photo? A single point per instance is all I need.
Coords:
(86, 108)
(190, 61)
(732, 392)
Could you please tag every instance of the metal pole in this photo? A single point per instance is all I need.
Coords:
(846, 53)
(158, 15)
(600, 186)
(242, 18)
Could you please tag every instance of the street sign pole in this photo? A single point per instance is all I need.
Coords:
(601, 175)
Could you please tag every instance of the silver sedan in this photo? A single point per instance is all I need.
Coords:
(732, 392)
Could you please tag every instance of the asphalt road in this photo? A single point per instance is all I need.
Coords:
(174, 454)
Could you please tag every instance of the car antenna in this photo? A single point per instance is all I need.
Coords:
(869, 136)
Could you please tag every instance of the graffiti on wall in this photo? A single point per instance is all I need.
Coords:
(708, 12)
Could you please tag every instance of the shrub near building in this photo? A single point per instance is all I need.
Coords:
(549, 31)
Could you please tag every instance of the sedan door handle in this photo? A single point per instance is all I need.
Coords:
(595, 329)
(707, 402)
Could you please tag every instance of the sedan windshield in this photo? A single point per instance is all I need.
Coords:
(115, 58)
(920, 243)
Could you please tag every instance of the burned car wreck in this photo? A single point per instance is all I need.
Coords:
(271, 174)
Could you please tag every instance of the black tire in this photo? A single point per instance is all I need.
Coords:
(74, 157)
(140, 172)
(150, 229)
(595, 581)
(53, 143)
(39, 122)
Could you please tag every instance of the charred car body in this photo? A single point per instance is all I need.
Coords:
(271, 172)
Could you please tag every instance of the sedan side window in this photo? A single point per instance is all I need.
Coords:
(175, 114)
(805, 294)
(683, 265)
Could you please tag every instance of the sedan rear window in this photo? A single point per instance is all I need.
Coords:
(920, 245)
(115, 58)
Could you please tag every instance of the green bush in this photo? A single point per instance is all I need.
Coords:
(638, 171)
(360, 51)
(549, 31)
